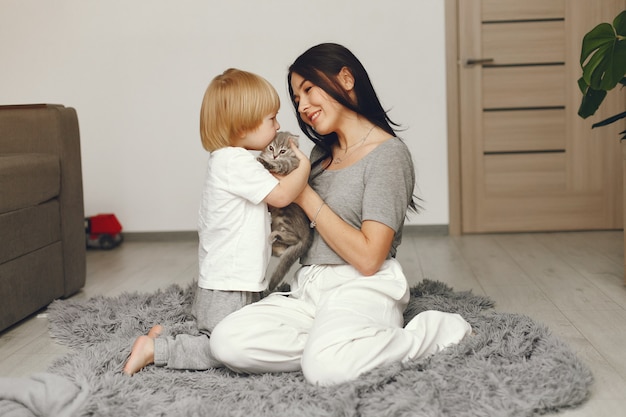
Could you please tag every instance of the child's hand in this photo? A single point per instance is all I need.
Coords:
(292, 184)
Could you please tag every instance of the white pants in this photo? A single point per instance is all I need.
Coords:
(334, 325)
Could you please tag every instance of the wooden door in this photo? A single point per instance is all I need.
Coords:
(527, 161)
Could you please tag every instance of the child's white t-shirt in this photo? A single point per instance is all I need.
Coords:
(234, 223)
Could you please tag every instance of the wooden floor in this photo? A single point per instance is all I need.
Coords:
(573, 282)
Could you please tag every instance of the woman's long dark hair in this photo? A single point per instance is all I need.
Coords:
(320, 65)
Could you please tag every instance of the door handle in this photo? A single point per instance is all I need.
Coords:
(479, 61)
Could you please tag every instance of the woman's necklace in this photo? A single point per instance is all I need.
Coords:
(338, 160)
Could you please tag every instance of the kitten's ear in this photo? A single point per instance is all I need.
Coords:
(295, 139)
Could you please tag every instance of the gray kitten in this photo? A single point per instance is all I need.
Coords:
(291, 232)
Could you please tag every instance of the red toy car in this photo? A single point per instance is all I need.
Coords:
(103, 231)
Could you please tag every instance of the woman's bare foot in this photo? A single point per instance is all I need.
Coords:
(142, 352)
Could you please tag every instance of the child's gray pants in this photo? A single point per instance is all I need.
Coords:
(193, 352)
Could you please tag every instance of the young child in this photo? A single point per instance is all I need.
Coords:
(238, 115)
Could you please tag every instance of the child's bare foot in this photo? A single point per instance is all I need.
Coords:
(141, 355)
(155, 331)
(142, 352)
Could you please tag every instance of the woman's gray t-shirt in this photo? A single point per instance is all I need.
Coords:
(379, 187)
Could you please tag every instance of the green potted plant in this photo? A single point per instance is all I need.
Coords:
(603, 61)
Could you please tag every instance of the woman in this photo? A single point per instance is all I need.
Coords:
(343, 316)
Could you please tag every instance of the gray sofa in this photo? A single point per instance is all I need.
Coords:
(42, 235)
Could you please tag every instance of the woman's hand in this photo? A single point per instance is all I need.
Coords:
(299, 154)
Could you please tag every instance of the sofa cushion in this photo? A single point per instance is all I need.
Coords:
(28, 179)
(26, 230)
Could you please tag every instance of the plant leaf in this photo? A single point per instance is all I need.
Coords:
(582, 85)
(600, 35)
(616, 66)
(610, 120)
(603, 61)
(596, 66)
(590, 103)
(619, 23)
(603, 54)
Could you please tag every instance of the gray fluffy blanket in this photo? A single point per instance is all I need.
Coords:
(513, 366)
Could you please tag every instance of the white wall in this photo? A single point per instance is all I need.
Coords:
(136, 70)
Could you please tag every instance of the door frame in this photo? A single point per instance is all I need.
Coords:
(455, 221)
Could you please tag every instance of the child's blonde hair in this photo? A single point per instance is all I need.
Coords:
(234, 103)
